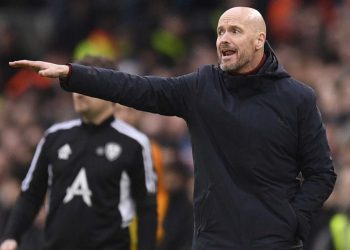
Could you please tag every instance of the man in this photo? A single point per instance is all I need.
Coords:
(98, 172)
(134, 117)
(253, 128)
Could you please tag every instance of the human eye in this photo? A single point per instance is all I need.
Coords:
(220, 32)
(236, 31)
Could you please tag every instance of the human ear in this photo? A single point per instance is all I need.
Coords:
(260, 41)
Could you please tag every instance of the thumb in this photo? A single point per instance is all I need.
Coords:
(47, 73)
(42, 72)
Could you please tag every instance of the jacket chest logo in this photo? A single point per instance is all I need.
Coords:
(79, 187)
(64, 152)
(111, 151)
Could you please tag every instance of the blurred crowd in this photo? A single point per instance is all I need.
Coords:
(167, 38)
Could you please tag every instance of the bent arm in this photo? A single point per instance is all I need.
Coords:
(316, 165)
(163, 95)
(144, 189)
(31, 198)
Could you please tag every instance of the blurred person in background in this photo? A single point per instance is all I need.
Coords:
(343, 92)
(9, 193)
(135, 118)
(178, 221)
(9, 48)
(254, 130)
(98, 172)
(175, 222)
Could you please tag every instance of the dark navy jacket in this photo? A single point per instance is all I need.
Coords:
(251, 136)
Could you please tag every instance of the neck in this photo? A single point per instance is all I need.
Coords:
(256, 67)
(99, 118)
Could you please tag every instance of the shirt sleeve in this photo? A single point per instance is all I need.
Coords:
(162, 95)
(315, 163)
(143, 190)
(33, 192)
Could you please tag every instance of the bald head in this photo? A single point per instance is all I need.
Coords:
(249, 16)
(241, 37)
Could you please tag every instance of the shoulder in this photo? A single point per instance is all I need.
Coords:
(303, 88)
(63, 126)
(131, 132)
(208, 76)
(207, 69)
(203, 71)
(302, 97)
(301, 91)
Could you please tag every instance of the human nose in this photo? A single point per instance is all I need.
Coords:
(223, 38)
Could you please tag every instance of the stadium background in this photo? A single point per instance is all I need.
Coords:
(161, 37)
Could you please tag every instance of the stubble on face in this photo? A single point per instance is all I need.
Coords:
(242, 44)
(242, 60)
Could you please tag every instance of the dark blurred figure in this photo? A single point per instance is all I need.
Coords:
(178, 223)
(72, 21)
(9, 48)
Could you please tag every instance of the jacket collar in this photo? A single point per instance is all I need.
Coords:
(247, 85)
(105, 123)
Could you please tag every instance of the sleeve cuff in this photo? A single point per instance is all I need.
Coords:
(65, 81)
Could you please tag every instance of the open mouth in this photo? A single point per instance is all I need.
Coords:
(228, 52)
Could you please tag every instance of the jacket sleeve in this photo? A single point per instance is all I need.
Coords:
(162, 95)
(33, 192)
(143, 190)
(315, 163)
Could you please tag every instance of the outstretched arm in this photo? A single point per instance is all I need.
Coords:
(45, 69)
(163, 95)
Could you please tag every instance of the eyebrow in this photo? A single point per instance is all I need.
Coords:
(230, 26)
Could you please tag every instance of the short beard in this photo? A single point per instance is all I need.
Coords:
(233, 68)
(229, 68)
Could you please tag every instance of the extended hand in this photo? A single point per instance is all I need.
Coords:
(43, 68)
(9, 245)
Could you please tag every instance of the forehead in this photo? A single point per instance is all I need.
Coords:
(232, 19)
